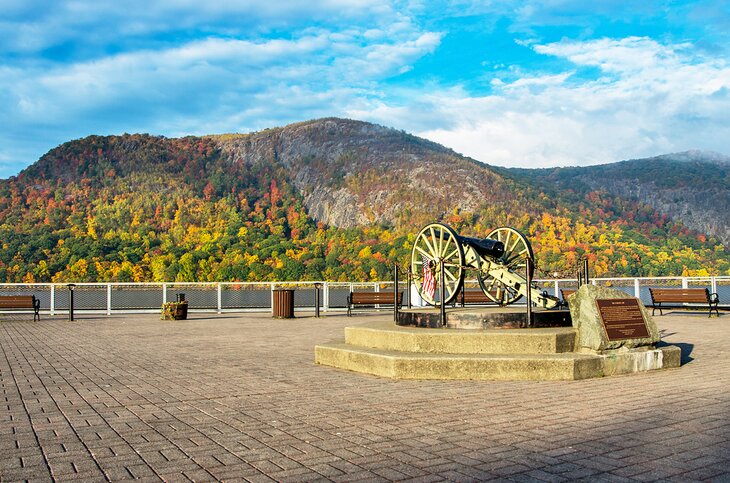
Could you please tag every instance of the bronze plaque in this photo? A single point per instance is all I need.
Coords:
(622, 319)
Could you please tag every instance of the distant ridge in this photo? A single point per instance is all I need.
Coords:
(692, 186)
(695, 156)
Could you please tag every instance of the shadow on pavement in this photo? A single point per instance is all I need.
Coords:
(686, 349)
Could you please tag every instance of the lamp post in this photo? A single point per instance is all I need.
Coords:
(71, 301)
(317, 286)
(528, 278)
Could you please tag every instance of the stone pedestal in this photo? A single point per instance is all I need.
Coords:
(592, 333)
(483, 318)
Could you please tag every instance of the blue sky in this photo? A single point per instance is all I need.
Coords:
(549, 83)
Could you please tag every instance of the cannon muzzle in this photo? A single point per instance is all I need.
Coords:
(486, 247)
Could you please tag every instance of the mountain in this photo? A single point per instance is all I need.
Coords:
(692, 187)
(353, 173)
(329, 199)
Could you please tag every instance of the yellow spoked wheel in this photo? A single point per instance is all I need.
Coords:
(516, 251)
(436, 244)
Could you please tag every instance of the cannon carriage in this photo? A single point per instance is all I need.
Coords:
(500, 259)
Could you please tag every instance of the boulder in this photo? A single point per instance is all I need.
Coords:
(592, 335)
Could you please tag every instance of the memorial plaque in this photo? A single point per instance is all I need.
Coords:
(622, 319)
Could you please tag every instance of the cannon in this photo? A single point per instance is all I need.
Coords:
(500, 260)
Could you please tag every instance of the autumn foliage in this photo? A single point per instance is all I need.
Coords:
(144, 208)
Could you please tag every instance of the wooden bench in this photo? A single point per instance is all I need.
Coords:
(17, 302)
(472, 297)
(372, 299)
(660, 296)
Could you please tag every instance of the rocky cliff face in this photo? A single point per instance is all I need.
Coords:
(692, 187)
(353, 173)
(704, 211)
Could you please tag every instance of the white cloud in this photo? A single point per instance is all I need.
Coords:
(205, 86)
(178, 67)
(93, 28)
(654, 99)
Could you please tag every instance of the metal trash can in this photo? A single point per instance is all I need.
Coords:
(283, 304)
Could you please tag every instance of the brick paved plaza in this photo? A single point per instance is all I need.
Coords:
(238, 397)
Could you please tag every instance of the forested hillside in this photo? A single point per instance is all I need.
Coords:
(693, 187)
(329, 199)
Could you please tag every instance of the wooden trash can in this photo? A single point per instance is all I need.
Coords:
(283, 304)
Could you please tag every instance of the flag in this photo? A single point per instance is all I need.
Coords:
(429, 283)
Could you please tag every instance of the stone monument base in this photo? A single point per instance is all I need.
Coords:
(548, 353)
(483, 318)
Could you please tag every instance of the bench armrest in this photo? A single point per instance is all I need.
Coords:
(714, 298)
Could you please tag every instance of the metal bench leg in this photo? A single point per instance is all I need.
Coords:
(714, 307)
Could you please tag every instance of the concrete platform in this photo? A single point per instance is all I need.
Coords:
(490, 317)
(386, 350)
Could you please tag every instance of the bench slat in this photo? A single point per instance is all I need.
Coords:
(473, 296)
(373, 297)
(15, 305)
(680, 295)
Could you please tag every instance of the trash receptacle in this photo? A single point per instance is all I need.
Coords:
(283, 303)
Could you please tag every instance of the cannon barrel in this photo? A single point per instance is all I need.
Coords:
(485, 247)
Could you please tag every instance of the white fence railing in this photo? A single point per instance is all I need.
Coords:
(110, 298)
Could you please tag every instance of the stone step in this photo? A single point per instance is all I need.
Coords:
(390, 337)
(411, 365)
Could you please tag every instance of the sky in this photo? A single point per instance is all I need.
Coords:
(509, 83)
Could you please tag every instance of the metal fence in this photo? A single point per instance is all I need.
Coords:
(110, 298)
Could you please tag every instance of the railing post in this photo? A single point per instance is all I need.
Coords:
(326, 303)
(557, 288)
(685, 284)
(108, 299)
(637, 289)
(220, 299)
(53, 299)
(272, 299)
(164, 293)
(713, 284)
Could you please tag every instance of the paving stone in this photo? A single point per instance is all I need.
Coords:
(238, 397)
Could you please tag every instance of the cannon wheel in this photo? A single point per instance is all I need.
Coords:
(436, 242)
(516, 250)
